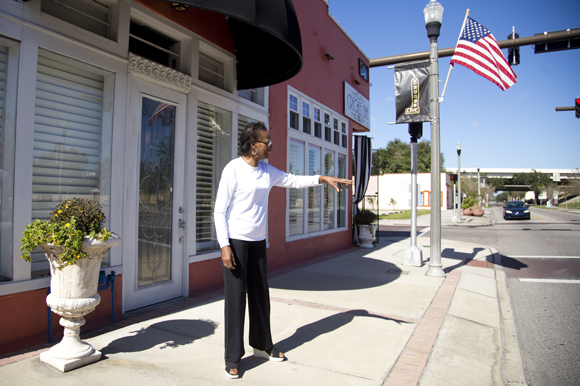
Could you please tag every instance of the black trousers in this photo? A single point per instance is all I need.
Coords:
(250, 275)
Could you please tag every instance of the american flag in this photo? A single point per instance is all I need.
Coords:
(158, 111)
(478, 50)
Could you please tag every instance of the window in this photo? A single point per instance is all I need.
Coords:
(344, 135)
(8, 76)
(255, 95)
(211, 70)
(336, 132)
(329, 192)
(327, 129)
(313, 192)
(293, 106)
(317, 123)
(92, 15)
(306, 121)
(72, 138)
(315, 209)
(342, 204)
(148, 43)
(296, 196)
(214, 149)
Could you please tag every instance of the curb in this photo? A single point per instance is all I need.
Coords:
(512, 365)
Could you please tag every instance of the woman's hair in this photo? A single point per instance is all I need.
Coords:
(251, 134)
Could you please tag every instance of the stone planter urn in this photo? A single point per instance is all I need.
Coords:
(478, 212)
(467, 212)
(366, 234)
(73, 294)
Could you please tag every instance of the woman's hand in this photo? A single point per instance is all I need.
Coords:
(334, 182)
(228, 258)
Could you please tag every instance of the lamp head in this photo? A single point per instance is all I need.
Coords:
(458, 147)
(433, 12)
(433, 18)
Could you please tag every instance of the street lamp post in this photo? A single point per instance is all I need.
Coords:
(433, 16)
(478, 187)
(413, 255)
(458, 147)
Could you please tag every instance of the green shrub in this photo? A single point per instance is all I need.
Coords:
(88, 214)
(468, 202)
(365, 217)
(67, 226)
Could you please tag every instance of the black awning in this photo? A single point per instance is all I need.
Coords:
(266, 38)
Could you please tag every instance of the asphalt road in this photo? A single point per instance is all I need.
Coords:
(541, 258)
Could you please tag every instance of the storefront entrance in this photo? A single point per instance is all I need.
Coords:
(155, 148)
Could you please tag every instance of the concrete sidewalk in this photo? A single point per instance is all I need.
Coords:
(355, 318)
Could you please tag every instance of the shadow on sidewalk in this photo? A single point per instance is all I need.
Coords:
(343, 275)
(171, 333)
(313, 330)
(464, 258)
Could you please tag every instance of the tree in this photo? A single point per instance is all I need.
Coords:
(573, 183)
(535, 181)
(396, 158)
(393, 202)
(497, 183)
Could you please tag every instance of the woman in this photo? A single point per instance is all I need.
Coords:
(240, 220)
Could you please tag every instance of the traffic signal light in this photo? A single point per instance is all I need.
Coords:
(514, 52)
(453, 177)
(577, 107)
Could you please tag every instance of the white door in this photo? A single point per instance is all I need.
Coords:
(153, 261)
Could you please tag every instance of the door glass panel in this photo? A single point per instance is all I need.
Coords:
(214, 151)
(155, 192)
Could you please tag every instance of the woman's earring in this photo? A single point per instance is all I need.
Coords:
(255, 151)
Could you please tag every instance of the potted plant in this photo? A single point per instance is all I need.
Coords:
(467, 204)
(365, 221)
(477, 210)
(74, 242)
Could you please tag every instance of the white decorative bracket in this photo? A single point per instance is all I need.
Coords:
(155, 72)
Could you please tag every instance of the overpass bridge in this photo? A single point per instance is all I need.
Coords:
(558, 176)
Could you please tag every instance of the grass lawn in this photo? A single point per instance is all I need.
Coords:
(406, 215)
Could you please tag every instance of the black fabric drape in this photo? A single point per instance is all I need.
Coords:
(362, 173)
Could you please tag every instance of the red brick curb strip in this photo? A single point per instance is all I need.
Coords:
(409, 367)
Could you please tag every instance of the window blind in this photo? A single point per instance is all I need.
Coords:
(67, 135)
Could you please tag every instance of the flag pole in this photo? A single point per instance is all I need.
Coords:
(450, 66)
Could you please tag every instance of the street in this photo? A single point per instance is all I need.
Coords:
(541, 259)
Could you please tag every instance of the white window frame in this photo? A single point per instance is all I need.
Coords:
(226, 60)
(311, 139)
(30, 42)
(30, 11)
(213, 98)
(158, 23)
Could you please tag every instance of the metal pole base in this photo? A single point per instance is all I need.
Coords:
(435, 270)
(413, 256)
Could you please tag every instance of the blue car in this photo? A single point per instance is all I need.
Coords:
(516, 209)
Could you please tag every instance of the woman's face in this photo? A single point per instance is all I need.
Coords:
(263, 146)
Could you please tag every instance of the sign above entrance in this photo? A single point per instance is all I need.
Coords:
(356, 106)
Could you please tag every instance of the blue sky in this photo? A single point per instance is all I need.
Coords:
(516, 128)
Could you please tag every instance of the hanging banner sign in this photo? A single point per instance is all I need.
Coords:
(357, 106)
(412, 92)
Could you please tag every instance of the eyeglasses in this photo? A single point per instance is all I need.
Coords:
(267, 142)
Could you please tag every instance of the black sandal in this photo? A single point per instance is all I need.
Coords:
(232, 366)
(273, 356)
